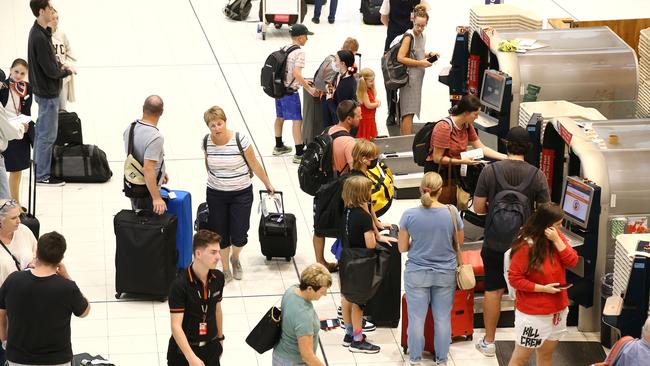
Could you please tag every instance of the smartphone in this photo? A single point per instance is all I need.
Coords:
(433, 58)
(329, 324)
(564, 286)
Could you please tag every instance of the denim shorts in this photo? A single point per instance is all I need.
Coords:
(279, 361)
(288, 107)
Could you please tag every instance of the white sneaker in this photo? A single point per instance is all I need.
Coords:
(487, 349)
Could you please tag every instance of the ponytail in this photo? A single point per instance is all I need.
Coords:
(468, 103)
(430, 186)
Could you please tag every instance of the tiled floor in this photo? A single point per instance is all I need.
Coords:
(187, 52)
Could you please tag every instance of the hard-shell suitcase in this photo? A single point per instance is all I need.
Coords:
(462, 320)
(69, 130)
(473, 257)
(80, 164)
(145, 253)
(312, 115)
(383, 308)
(277, 232)
(179, 203)
(28, 217)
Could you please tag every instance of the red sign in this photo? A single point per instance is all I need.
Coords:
(281, 18)
(485, 37)
(566, 135)
(546, 166)
(472, 74)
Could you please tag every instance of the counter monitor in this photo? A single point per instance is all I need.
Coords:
(577, 200)
(492, 91)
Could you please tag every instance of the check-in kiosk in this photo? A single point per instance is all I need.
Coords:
(599, 172)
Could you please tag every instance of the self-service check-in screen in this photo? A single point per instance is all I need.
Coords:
(577, 200)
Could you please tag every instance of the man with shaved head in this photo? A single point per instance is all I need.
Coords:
(634, 352)
(147, 150)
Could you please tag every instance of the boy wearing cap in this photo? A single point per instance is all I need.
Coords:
(288, 107)
(514, 170)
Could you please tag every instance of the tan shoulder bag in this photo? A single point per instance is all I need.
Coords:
(464, 272)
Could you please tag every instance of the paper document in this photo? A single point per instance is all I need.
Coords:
(20, 119)
(475, 154)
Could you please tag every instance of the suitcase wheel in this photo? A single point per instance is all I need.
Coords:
(470, 337)
(405, 349)
(278, 25)
(288, 259)
(268, 258)
(118, 295)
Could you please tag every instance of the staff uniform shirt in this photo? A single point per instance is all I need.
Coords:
(184, 298)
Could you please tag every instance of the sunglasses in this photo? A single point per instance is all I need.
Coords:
(10, 203)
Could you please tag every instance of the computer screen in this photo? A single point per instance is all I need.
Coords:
(577, 201)
(493, 89)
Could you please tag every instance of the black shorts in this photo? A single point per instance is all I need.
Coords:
(229, 215)
(493, 265)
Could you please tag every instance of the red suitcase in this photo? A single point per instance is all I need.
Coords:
(462, 320)
(473, 257)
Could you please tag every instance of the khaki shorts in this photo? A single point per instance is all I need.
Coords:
(532, 330)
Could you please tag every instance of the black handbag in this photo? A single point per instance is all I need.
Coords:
(267, 332)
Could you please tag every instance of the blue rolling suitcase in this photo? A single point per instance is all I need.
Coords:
(179, 203)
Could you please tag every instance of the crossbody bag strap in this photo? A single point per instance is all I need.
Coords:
(16, 262)
(454, 239)
(241, 151)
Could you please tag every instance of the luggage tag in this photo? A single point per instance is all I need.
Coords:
(261, 208)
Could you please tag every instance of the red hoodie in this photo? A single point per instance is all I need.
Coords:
(541, 303)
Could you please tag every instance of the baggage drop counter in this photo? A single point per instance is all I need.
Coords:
(599, 172)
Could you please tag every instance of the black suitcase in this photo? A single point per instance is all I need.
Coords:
(145, 253)
(384, 308)
(69, 131)
(370, 11)
(202, 213)
(80, 164)
(28, 217)
(277, 232)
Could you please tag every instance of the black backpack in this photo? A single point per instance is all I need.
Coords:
(273, 72)
(238, 9)
(422, 141)
(508, 211)
(395, 73)
(315, 168)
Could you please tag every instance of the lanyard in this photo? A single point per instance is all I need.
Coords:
(204, 303)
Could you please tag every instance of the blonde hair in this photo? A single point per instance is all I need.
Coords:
(431, 185)
(363, 149)
(362, 86)
(214, 113)
(420, 11)
(357, 191)
(315, 276)
(350, 44)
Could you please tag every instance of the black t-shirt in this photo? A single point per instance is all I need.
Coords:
(188, 295)
(357, 222)
(39, 311)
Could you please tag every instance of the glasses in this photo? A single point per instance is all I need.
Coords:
(10, 203)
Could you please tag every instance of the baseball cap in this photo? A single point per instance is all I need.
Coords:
(300, 30)
(518, 134)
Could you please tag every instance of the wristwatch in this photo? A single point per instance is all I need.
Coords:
(221, 338)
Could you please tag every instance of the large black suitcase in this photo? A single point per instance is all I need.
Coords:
(277, 232)
(145, 253)
(28, 216)
(384, 308)
(69, 131)
(80, 164)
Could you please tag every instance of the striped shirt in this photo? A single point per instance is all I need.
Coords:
(227, 169)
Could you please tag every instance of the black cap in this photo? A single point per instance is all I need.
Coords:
(518, 134)
(300, 30)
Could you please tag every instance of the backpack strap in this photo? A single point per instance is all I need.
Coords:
(130, 147)
(288, 51)
(241, 151)
(205, 142)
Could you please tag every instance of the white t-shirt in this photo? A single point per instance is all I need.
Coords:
(295, 59)
(227, 169)
(385, 6)
(22, 246)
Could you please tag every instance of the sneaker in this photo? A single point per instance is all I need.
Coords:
(315, 20)
(363, 347)
(348, 339)
(50, 182)
(297, 159)
(227, 275)
(441, 363)
(366, 327)
(284, 149)
(487, 349)
(237, 271)
(414, 363)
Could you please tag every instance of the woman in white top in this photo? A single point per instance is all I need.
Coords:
(230, 162)
(17, 241)
(63, 53)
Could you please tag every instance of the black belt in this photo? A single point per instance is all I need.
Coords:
(202, 343)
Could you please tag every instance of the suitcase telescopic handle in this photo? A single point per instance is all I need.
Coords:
(264, 191)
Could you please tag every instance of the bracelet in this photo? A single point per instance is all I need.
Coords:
(223, 337)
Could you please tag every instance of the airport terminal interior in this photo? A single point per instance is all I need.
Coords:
(193, 57)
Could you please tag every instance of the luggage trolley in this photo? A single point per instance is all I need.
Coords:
(279, 12)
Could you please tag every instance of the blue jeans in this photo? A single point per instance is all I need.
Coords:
(47, 126)
(318, 4)
(424, 287)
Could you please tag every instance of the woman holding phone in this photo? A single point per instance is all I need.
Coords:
(539, 258)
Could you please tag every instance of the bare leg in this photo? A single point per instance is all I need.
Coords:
(319, 251)
(346, 308)
(225, 258)
(406, 126)
(357, 317)
(520, 356)
(235, 253)
(279, 122)
(297, 132)
(545, 353)
(14, 184)
(491, 313)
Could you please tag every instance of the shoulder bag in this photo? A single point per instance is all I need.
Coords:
(267, 332)
(464, 272)
(452, 193)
